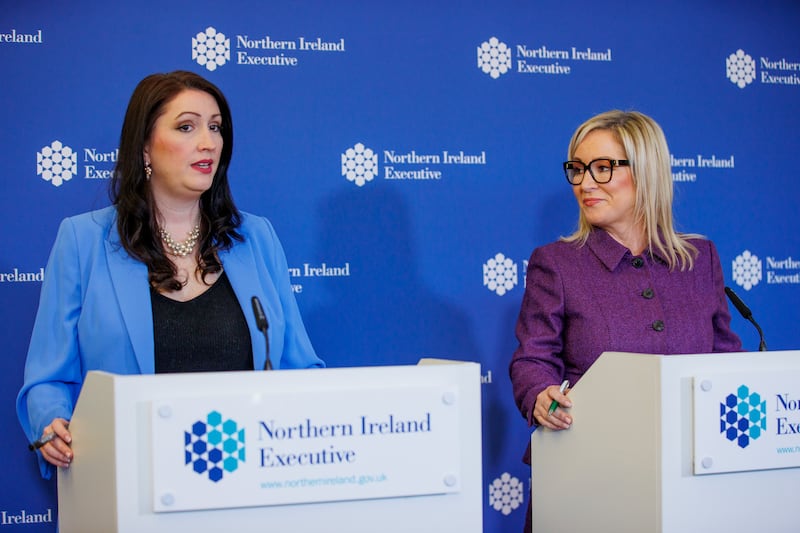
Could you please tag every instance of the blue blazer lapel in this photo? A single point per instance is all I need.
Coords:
(129, 283)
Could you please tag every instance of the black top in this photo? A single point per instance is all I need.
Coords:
(206, 334)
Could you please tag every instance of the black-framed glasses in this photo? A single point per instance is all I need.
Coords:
(601, 169)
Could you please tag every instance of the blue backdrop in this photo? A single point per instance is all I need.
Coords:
(408, 154)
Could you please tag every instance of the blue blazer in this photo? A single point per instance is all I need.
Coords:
(95, 313)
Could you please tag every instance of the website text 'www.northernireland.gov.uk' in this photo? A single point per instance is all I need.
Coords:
(325, 481)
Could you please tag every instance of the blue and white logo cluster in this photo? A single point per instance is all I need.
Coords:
(747, 270)
(741, 70)
(506, 494)
(743, 416)
(359, 164)
(500, 274)
(211, 49)
(494, 57)
(214, 446)
(56, 163)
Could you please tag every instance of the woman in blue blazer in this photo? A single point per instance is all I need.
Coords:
(121, 294)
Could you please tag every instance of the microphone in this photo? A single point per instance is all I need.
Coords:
(261, 323)
(747, 315)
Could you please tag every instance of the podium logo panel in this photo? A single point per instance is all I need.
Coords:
(214, 446)
(319, 446)
(745, 421)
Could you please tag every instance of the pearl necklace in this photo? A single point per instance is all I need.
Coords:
(181, 249)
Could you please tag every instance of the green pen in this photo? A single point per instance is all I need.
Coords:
(554, 405)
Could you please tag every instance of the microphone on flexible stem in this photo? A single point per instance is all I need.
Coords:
(747, 315)
(261, 323)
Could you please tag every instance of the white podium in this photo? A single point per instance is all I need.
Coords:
(390, 449)
(677, 443)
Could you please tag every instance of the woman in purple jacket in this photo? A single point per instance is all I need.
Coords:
(624, 281)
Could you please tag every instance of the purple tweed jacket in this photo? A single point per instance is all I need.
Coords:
(582, 301)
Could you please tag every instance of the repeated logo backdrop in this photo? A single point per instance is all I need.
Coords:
(409, 157)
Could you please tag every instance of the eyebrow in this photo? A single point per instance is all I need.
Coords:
(196, 114)
(579, 160)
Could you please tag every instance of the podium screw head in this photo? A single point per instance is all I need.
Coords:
(450, 480)
(706, 385)
(167, 499)
(165, 411)
(449, 398)
(707, 462)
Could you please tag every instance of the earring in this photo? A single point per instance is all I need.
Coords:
(148, 171)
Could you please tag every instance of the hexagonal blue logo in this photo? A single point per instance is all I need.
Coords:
(214, 446)
(743, 416)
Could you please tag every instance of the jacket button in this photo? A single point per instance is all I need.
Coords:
(648, 293)
(658, 325)
(637, 262)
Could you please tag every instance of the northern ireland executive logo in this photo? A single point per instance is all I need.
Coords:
(747, 270)
(359, 164)
(56, 163)
(211, 49)
(743, 416)
(506, 494)
(494, 57)
(500, 274)
(740, 68)
(214, 446)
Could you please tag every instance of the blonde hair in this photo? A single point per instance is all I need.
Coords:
(646, 149)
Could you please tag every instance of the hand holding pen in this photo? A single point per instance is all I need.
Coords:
(54, 444)
(546, 410)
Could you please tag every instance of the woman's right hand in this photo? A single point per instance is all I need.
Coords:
(58, 452)
(559, 419)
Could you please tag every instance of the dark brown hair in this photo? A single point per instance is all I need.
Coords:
(131, 194)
